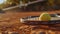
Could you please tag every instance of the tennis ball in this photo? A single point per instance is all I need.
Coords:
(45, 17)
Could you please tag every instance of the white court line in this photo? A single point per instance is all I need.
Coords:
(11, 7)
(22, 5)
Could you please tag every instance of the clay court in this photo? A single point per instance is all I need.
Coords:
(11, 21)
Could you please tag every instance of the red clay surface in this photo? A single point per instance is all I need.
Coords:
(11, 21)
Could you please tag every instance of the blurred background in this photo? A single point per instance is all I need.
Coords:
(26, 5)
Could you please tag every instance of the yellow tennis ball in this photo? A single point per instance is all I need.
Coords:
(45, 17)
